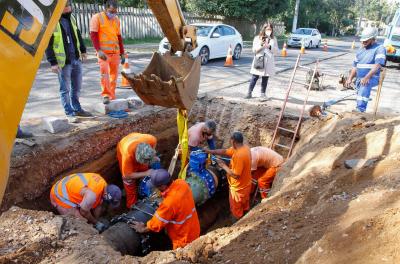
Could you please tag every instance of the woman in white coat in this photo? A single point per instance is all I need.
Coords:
(265, 46)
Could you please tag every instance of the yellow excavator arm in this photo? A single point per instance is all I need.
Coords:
(169, 15)
(25, 30)
(170, 80)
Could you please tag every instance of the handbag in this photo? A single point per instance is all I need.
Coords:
(259, 61)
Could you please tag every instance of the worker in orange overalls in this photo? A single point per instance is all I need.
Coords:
(265, 163)
(82, 194)
(176, 213)
(135, 153)
(238, 174)
(107, 40)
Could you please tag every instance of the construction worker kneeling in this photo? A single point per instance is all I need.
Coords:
(176, 213)
(83, 195)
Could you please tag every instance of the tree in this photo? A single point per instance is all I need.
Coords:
(296, 15)
(253, 10)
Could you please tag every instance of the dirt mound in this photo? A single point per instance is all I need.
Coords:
(28, 236)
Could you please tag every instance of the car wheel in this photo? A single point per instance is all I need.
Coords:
(204, 55)
(319, 44)
(237, 52)
(309, 46)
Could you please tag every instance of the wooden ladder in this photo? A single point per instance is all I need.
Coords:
(279, 127)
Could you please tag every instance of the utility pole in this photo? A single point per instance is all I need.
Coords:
(296, 15)
(362, 6)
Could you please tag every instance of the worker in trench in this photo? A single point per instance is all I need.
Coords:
(238, 174)
(176, 213)
(137, 158)
(370, 58)
(265, 163)
(85, 195)
(200, 133)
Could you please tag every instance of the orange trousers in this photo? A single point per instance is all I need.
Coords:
(109, 75)
(131, 194)
(239, 201)
(264, 178)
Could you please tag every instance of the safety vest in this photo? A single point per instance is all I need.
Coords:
(108, 34)
(58, 44)
(67, 191)
(177, 213)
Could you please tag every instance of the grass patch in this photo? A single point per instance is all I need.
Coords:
(88, 42)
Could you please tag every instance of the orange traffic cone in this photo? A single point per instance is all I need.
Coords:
(229, 59)
(127, 70)
(325, 48)
(302, 49)
(353, 45)
(284, 51)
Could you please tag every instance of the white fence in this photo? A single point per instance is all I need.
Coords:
(136, 23)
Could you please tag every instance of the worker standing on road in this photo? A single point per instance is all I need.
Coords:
(82, 194)
(265, 163)
(265, 46)
(200, 133)
(65, 51)
(238, 174)
(107, 40)
(370, 58)
(176, 213)
(136, 154)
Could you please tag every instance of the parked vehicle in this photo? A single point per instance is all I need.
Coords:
(213, 41)
(309, 36)
(392, 41)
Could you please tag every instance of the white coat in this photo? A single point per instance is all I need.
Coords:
(269, 60)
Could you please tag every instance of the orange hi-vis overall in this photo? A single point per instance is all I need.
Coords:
(265, 163)
(108, 31)
(126, 150)
(239, 189)
(66, 192)
(177, 213)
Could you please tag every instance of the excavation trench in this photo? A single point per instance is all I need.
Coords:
(33, 171)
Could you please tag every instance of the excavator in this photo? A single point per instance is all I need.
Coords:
(170, 80)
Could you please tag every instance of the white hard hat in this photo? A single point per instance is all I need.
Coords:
(368, 33)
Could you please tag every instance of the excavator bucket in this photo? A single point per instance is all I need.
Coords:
(169, 81)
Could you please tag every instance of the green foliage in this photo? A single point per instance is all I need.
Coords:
(252, 10)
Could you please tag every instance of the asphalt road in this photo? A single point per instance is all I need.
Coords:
(226, 81)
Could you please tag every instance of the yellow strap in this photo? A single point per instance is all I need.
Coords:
(182, 122)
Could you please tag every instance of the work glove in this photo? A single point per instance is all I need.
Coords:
(101, 55)
(100, 226)
(122, 59)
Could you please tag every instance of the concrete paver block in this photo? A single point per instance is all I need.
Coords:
(55, 124)
(114, 105)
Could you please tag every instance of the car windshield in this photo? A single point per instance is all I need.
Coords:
(203, 31)
(303, 31)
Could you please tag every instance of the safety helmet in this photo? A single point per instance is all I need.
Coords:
(368, 33)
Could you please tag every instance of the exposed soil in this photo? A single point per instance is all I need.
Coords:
(319, 212)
